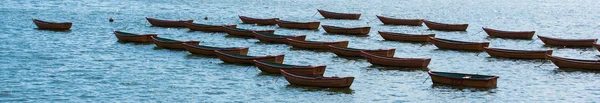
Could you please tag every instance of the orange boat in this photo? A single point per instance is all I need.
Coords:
(209, 50)
(170, 43)
(246, 32)
(568, 42)
(52, 25)
(245, 59)
(270, 67)
(574, 63)
(316, 44)
(334, 15)
(445, 27)
(353, 52)
(461, 79)
(396, 62)
(249, 20)
(208, 28)
(343, 30)
(168, 23)
(405, 37)
(518, 54)
(264, 37)
(394, 21)
(137, 38)
(298, 25)
(458, 45)
(318, 81)
(509, 34)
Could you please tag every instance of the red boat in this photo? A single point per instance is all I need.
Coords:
(270, 67)
(246, 32)
(52, 25)
(445, 27)
(209, 50)
(405, 37)
(171, 44)
(574, 63)
(509, 34)
(298, 25)
(353, 52)
(458, 45)
(249, 20)
(396, 62)
(137, 38)
(334, 15)
(316, 44)
(318, 81)
(264, 37)
(208, 28)
(168, 23)
(344, 30)
(245, 59)
(568, 42)
(395, 21)
(518, 54)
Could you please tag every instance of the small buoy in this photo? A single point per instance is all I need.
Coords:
(111, 19)
(206, 18)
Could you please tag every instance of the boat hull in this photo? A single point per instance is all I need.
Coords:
(509, 34)
(484, 83)
(142, 38)
(173, 45)
(573, 63)
(52, 25)
(301, 70)
(298, 25)
(396, 62)
(518, 54)
(568, 42)
(328, 82)
(249, 20)
(333, 15)
(168, 23)
(316, 45)
(356, 53)
(212, 28)
(341, 30)
(405, 37)
(472, 46)
(247, 33)
(233, 59)
(282, 40)
(394, 21)
(211, 51)
(445, 27)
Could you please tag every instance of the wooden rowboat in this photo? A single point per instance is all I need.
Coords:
(209, 50)
(316, 44)
(458, 45)
(395, 21)
(518, 54)
(353, 52)
(298, 25)
(334, 15)
(318, 81)
(568, 42)
(509, 34)
(245, 59)
(171, 44)
(445, 27)
(249, 20)
(208, 28)
(461, 79)
(270, 67)
(343, 30)
(574, 63)
(264, 37)
(168, 23)
(137, 38)
(396, 62)
(52, 25)
(405, 37)
(246, 32)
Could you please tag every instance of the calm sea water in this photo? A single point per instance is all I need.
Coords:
(87, 64)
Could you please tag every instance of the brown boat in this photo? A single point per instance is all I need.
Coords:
(318, 81)
(597, 46)
(458, 45)
(343, 30)
(171, 44)
(574, 63)
(249, 20)
(264, 37)
(270, 67)
(208, 28)
(518, 54)
(298, 25)
(52, 25)
(246, 32)
(445, 27)
(461, 79)
(568, 42)
(509, 34)
(395, 21)
(168, 23)
(405, 37)
(209, 50)
(137, 38)
(245, 59)
(316, 44)
(396, 62)
(334, 15)
(353, 52)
